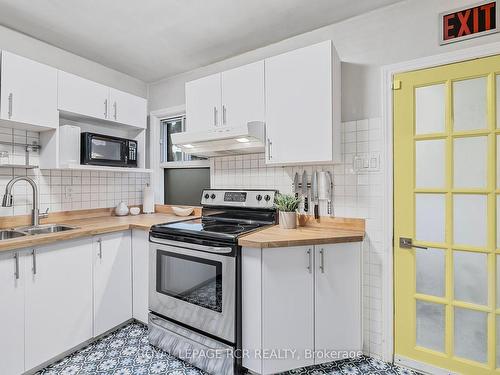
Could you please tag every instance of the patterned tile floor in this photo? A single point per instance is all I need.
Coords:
(126, 352)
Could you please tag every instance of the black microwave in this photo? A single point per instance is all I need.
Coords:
(99, 149)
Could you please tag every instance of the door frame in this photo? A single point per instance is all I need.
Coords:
(387, 74)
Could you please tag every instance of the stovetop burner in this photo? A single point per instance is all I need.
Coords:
(227, 228)
(228, 215)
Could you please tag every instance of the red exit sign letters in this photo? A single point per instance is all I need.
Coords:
(467, 23)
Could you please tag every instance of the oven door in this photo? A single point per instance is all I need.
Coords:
(195, 285)
(103, 150)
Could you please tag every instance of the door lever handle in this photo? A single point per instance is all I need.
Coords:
(407, 243)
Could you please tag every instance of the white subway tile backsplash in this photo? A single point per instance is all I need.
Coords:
(355, 195)
(64, 189)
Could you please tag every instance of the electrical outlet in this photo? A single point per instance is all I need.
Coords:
(68, 192)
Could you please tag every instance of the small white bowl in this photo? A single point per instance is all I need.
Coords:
(183, 211)
(135, 210)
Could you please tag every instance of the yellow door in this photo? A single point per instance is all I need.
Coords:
(447, 195)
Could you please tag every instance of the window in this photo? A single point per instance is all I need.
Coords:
(169, 152)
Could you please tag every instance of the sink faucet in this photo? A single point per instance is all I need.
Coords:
(35, 212)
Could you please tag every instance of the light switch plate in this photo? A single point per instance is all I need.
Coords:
(366, 163)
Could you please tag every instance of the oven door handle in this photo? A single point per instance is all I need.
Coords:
(188, 245)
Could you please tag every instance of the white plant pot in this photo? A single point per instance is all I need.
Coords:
(288, 220)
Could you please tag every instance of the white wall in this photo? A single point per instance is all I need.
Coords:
(397, 33)
(37, 50)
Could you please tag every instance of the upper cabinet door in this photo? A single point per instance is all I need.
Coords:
(28, 93)
(243, 95)
(303, 106)
(127, 109)
(203, 104)
(81, 96)
(58, 313)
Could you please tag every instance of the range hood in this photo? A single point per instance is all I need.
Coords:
(246, 139)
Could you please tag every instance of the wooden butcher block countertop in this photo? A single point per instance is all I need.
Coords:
(326, 231)
(88, 223)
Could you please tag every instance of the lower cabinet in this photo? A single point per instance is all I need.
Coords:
(58, 313)
(112, 280)
(301, 305)
(12, 292)
(56, 297)
(288, 305)
(140, 272)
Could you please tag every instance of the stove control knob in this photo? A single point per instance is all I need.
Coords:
(212, 196)
(259, 197)
(267, 197)
(207, 196)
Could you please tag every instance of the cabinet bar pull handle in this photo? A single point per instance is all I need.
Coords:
(309, 254)
(99, 241)
(11, 98)
(16, 259)
(33, 253)
(223, 115)
(269, 149)
(114, 107)
(322, 260)
(215, 116)
(106, 108)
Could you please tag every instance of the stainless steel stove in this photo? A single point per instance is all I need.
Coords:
(195, 278)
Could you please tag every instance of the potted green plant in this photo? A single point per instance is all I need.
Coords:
(287, 206)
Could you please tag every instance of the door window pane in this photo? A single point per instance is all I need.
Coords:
(498, 106)
(430, 164)
(430, 105)
(498, 282)
(194, 280)
(430, 271)
(469, 104)
(430, 325)
(469, 219)
(470, 275)
(470, 162)
(471, 334)
(430, 217)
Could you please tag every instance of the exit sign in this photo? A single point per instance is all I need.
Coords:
(466, 23)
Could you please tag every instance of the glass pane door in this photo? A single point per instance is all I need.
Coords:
(447, 191)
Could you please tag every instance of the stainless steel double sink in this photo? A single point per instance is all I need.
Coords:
(7, 234)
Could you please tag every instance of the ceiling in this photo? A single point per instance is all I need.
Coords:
(154, 39)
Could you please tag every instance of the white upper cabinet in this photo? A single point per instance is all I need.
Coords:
(303, 106)
(203, 104)
(228, 99)
(112, 280)
(58, 314)
(81, 96)
(243, 95)
(28, 93)
(127, 109)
